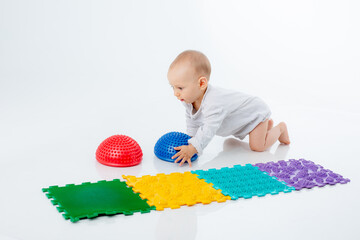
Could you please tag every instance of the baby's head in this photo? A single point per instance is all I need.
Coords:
(189, 74)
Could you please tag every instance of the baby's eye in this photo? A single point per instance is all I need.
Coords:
(180, 88)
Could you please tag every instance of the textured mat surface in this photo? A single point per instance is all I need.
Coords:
(301, 173)
(90, 200)
(146, 193)
(243, 181)
(174, 190)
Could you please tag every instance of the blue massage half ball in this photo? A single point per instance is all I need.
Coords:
(164, 147)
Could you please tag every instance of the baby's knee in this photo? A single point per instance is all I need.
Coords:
(257, 148)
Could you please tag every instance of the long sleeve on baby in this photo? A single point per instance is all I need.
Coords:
(213, 118)
(191, 127)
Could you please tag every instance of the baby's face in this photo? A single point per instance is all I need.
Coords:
(184, 83)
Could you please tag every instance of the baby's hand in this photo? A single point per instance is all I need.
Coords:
(185, 154)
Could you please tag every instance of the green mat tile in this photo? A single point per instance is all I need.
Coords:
(90, 200)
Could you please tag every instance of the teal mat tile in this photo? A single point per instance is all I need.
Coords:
(243, 181)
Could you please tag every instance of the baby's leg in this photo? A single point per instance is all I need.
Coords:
(263, 137)
(270, 124)
(284, 137)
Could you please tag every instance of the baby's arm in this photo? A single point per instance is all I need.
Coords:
(187, 151)
(191, 127)
(213, 118)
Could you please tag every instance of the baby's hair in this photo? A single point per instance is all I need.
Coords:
(197, 60)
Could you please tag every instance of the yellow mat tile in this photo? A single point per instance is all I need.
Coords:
(174, 190)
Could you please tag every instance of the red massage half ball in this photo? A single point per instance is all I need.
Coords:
(119, 151)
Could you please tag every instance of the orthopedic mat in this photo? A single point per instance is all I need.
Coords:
(89, 200)
(174, 190)
(243, 181)
(301, 173)
(146, 193)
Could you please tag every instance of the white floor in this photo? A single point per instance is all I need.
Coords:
(73, 73)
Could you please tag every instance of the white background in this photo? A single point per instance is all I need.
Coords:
(73, 73)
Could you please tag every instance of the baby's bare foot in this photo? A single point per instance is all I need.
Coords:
(270, 124)
(284, 137)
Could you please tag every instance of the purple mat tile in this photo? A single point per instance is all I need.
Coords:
(301, 173)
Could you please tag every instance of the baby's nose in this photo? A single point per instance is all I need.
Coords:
(176, 94)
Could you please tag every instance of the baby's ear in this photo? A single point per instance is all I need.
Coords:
(203, 82)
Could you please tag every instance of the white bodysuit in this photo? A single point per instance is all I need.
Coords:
(224, 113)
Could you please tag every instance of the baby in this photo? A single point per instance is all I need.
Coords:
(214, 111)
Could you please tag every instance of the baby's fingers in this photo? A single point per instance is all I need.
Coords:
(176, 155)
(189, 162)
(185, 160)
(178, 159)
(182, 162)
